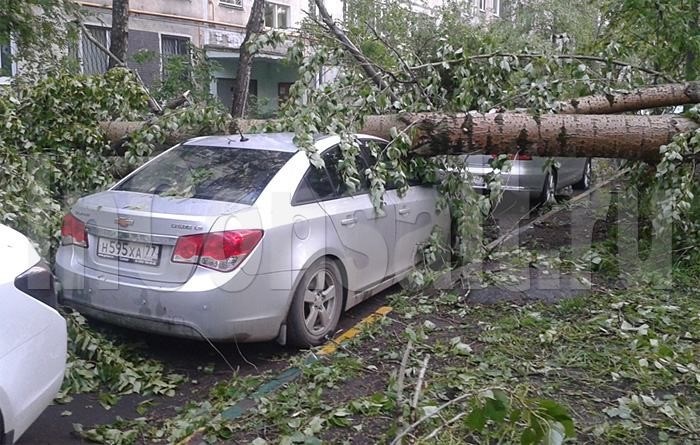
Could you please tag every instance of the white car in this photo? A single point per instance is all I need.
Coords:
(33, 336)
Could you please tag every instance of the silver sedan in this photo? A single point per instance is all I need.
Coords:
(240, 239)
(527, 174)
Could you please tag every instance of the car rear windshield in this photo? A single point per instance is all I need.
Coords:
(218, 173)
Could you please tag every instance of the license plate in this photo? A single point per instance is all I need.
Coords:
(129, 252)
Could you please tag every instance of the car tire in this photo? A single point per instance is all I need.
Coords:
(316, 307)
(586, 179)
(548, 195)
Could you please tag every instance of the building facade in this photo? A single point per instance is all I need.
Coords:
(159, 29)
(163, 28)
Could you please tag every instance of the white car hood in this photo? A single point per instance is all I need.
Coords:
(16, 254)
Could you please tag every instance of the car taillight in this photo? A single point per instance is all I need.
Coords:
(38, 282)
(73, 232)
(222, 251)
(516, 157)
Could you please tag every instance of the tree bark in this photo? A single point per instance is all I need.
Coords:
(606, 136)
(119, 37)
(657, 96)
(245, 59)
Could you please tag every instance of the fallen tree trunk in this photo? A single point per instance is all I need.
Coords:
(570, 133)
(631, 137)
(657, 96)
(607, 136)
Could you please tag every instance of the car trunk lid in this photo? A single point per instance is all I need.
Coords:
(133, 234)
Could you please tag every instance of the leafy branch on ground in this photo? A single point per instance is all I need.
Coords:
(96, 363)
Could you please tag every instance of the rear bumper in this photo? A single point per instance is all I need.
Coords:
(236, 307)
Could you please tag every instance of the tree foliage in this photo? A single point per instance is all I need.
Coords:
(663, 33)
(462, 66)
(52, 149)
(39, 29)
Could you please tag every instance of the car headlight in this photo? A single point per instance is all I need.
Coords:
(38, 282)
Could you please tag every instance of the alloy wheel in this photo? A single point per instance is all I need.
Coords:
(320, 298)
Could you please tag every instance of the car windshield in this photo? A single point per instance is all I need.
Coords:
(218, 173)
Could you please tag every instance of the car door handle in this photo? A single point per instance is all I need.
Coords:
(348, 221)
(404, 211)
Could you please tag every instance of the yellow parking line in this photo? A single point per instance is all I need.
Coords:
(332, 346)
(327, 349)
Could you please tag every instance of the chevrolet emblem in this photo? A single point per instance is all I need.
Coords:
(124, 222)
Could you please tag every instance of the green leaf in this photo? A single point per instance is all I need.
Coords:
(495, 410)
(476, 420)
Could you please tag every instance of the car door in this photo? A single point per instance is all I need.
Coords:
(367, 236)
(416, 215)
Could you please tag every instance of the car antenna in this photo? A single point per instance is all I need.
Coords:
(243, 138)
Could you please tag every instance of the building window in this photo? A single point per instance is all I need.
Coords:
(482, 5)
(174, 50)
(276, 16)
(238, 4)
(283, 92)
(93, 59)
(5, 59)
(497, 8)
(174, 46)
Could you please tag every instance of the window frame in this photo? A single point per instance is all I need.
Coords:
(5, 80)
(175, 36)
(275, 15)
(235, 4)
(305, 183)
(280, 87)
(81, 49)
(481, 4)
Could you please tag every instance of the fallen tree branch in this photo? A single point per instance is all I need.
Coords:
(430, 415)
(402, 373)
(558, 56)
(437, 430)
(656, 96)
(152, 103)
(366, 65)
(414, 78)
(419, 385)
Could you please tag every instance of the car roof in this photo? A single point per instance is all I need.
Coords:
(263, 141)
(260, 141)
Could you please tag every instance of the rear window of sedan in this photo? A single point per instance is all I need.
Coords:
(217, 173)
